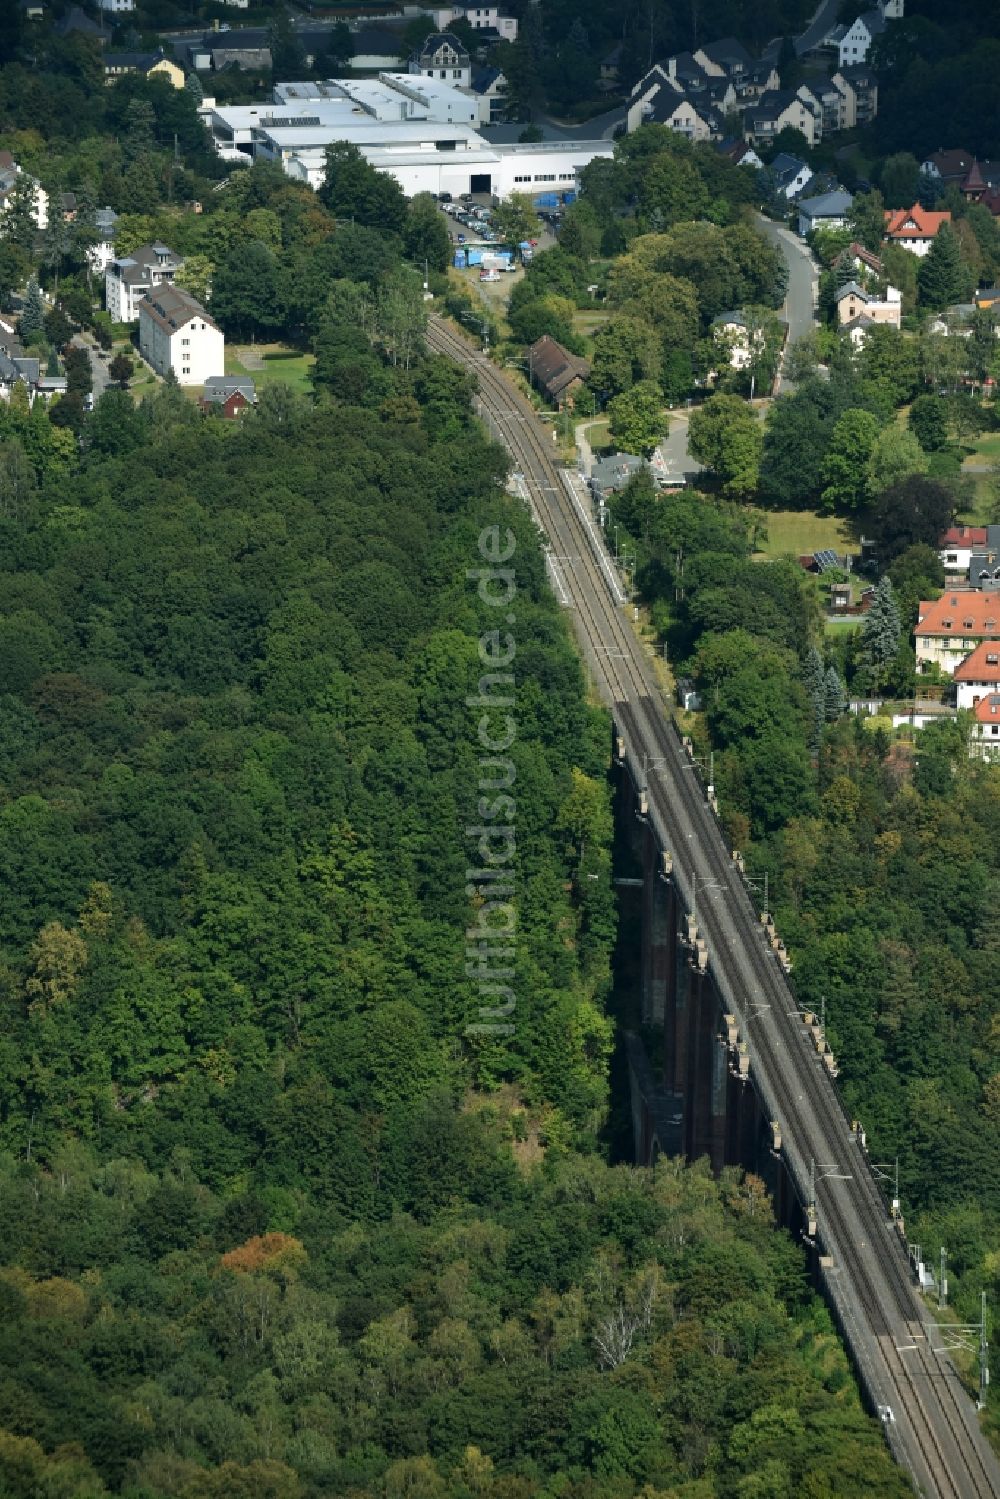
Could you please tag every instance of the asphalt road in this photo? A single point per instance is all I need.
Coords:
(98, 368)
(799, 307)
(820, 24)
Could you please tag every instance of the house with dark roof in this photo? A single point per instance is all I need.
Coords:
(556, 372)
(948, 166)
(827, 211)
(147, 64)
(482, 15)
(130, 277)
(726, 58)
(740, 154)
(228, 395)
(789, 174)
(613, 472)
(176, 333)
(490, 86)
(782, 110)
(77, 23)
(442, 55)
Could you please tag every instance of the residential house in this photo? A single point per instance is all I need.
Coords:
(984, 562)
(176, 333)
(102, 252)
(610, 67)
(490, 87)
(864, 264)
(613, 473)
(759, 79)
(740, 154)
(836, 103)
(32, 10)
(987, 297)
(789, 175)
(725, 59)
(978, 675)
(950, 627)
(147, 64)
(984, 740)
(731, 336)
(860, 83)
(695, 121)
(947, 167)
(77, 23)
(653, 93)
(956, 545)
(913, 228)
(375, 50)
(130, 277)
(116, 7)
(13, 176)
(857, 39)
(442, 55)
(853, 301)
(480, 15)
(828, 211)
(228, 395)
(67, 205)
(779, 111)
(556, 372)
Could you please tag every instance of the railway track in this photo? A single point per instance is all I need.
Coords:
(933, 1430)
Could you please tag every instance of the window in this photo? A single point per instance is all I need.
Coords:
(456, 72)
(946, 624)
(185, 342)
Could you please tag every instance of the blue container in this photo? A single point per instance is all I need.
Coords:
(459, 261)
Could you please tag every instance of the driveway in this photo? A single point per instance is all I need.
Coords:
(799, 307)
(98, 368)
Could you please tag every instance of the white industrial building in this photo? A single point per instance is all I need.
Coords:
(422, 130)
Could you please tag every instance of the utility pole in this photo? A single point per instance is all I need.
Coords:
(984, 1367)
(942, 1281)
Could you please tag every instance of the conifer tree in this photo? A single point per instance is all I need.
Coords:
(33, 313)
(882, 628)
(815, 685)
(943, 276)
(835, 697)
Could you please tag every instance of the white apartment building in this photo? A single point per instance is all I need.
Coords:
(130, 277)
(480, 16)
(176, 333)
(115, 7)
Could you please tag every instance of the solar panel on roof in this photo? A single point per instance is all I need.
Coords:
(826, 559)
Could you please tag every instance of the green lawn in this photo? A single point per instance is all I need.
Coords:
(986, 449)
(801, 531)
(269, 364)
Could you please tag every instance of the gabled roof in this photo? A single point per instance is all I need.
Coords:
(857, 251)
(987, 710)
(142, 62)
(983, 665)
(852, 289)
(438, 39)
(827, 206)
(967, 613)
(555, 368)
(962, 536)
(727, 52)
(76, 21)
(913, 223)
(218, 388)
(973, 180)
(172, 309)
(951, 164)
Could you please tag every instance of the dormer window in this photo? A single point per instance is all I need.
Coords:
(991, 624)
(967, 624)
(992, 659)
(946, 624)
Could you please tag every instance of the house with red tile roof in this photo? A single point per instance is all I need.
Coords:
(913, 228)
(984, 741)
(956, 546)
(978, 675)
(948, 629)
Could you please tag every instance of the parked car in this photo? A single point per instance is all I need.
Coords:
(444, 197)
(489, 275)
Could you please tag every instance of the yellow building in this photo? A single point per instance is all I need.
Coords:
(149, 64)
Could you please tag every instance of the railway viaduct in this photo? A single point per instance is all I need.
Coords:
(745, 1076)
